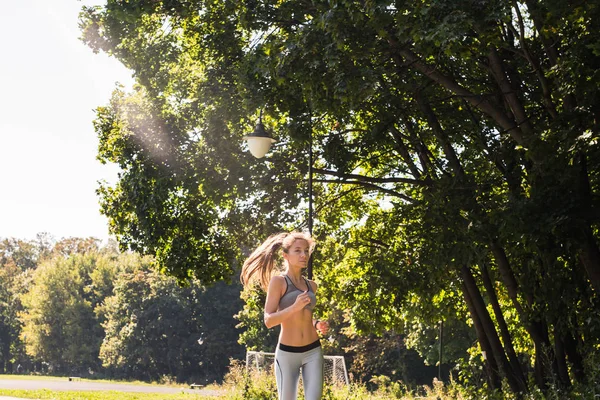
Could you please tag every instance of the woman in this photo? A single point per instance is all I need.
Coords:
(291, 299)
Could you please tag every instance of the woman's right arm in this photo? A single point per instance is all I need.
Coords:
(274, 317)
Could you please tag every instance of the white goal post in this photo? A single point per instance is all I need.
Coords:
(334, 367)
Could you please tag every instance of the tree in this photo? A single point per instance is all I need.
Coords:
(22, 253)
(457, 147)
(18, 260)
(60, 326)
(255, 336)
(74, 245)
(10, 347)
(156, 328)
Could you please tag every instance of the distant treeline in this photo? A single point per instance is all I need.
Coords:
(76, 307)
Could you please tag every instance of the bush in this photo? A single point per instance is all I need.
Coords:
(261, 386)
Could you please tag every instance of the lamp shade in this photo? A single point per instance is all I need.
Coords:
(259, 141)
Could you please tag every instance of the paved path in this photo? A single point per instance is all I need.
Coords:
(63, 384)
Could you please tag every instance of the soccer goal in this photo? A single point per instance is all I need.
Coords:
(334, 367)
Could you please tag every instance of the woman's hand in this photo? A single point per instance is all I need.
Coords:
(322, 326)
(301, 301)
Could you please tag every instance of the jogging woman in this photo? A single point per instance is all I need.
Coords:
(291, 299)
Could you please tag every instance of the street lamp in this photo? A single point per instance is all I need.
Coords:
(259, 143)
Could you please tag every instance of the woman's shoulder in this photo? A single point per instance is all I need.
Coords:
(277, 280)
(277, 284)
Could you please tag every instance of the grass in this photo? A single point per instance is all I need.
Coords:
(64, 378)
(46, 394)
(100, 395)
(32, 377)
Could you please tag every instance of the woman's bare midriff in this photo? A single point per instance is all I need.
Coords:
(298, 331)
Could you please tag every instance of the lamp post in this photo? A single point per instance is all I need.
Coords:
(310, 199)
(259, 143)
(441, 349)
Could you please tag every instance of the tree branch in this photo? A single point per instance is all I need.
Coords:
(363, 178)
(439, 133)
(323, 205)
(547, 41)
(509, 92)
(428, 160)
(477, 101)
(368, 186)
(403, 151)
(546, 92)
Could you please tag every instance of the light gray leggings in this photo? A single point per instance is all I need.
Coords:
(289, 361)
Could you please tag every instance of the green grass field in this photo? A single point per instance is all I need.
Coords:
(104, 395)
(63, 378)
(98, 395)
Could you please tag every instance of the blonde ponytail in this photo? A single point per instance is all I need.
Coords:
(262, 260)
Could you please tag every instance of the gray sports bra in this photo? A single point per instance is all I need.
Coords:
(292, 292)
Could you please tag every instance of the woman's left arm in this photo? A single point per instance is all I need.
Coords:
(321, 326)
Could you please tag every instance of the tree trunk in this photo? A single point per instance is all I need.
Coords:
(590, 258)
(491, 368)
(508, 277)
(490, 331)
(537, 330)
(504, 332)
(509, 92)
(538, 367)
(574, 357)
(589, 254)
(550, 370)
(561, 361)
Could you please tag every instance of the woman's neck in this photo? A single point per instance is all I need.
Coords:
(294, 273)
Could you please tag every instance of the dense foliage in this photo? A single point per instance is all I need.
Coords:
(456, 153)
(59, 323)
(18, 261)
(155, 328)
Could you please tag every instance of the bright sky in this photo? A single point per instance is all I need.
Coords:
(50, 84)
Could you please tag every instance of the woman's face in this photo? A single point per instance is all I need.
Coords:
(298, 254)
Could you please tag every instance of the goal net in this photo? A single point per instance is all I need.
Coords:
(334, 367)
